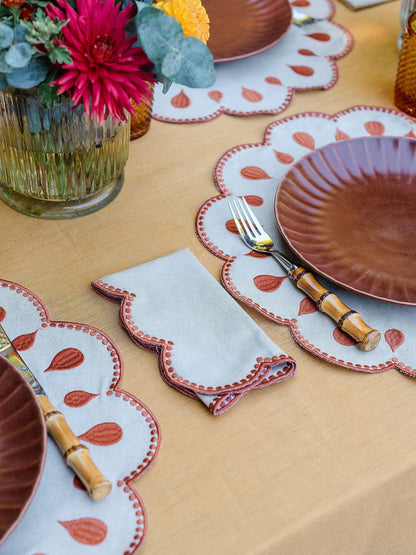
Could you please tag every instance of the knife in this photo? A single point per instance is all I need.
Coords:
(76, 455)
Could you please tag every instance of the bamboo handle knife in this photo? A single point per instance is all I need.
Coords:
(76, 455)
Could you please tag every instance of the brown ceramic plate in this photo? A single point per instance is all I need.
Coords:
(241, 28)
(348, 210)
(22, 446)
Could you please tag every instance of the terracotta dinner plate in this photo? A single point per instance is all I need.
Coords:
(348, 210)
(241, 28)
(22, 446)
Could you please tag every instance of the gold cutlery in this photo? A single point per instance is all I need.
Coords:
(257, 239)
(76, 455)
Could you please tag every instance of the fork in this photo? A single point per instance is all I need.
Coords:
(299, 18)
(257, 239)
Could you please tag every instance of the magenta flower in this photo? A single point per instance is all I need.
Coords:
(107, 72)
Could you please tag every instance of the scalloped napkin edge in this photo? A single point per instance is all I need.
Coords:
(208, 346)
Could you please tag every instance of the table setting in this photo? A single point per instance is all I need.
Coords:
(250, 386)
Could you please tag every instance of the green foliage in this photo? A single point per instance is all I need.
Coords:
(176, 58)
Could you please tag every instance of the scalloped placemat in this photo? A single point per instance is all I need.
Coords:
(265, 83)
(80, 369)
(254, 171)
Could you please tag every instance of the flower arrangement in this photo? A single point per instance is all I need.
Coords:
(103, 54)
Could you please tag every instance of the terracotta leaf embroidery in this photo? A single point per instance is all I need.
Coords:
(322, 37)
(394, 338)
(284, 157)
(273, 81)
(215, 95)
(66, 359)
(78, 398)
(302, 70)
(180, 100)
(304, 139)
(231, 227)
(89, 531)
(301, 3)
(253, 200)
(306, 52)
(411, 135)
(342, 338)
(107, 433)
(2, 313)
(255, 254)
(77, 483)
(374, 128)
(254, 172)
(24, 342)
(306, 306)
(250, 95)
(267, 283)
(340, 135)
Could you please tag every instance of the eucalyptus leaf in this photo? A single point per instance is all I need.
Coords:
(197, 69)
(29, 76)
(4, 66)
(172, 63)
(6, 36)
(19, 55)
(19, 33)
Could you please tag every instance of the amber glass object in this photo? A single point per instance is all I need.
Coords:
(140, 123)
(405, 88)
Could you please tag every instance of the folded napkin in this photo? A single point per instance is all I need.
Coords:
(209, 348)
(80, 369)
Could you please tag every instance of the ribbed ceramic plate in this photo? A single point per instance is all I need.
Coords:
(22, 446)
(348, 210)
(241, 28)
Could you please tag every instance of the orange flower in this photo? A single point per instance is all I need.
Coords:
(190, 14)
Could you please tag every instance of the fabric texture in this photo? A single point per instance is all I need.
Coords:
(209, 348)
(80, 369)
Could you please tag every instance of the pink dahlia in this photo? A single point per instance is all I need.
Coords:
(107, 72)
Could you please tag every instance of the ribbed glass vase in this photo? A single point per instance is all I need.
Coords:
(57, 163)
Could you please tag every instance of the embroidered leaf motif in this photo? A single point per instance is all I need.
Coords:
(255, 254)
(306, 71)
(231, 227)
(340, 135)
(66, 359)
(2, 313)
(306, 306)
(78, 484)
(374, 128)
(304, 139)
(180, 100)
(78, 398)
(215, 95)
(284, 157)
(411, 135)
(254, 172)
(251, 96)
(301, 3)
(273, 81)
(342, 338)
(253, 200)
(306, 52)
(89, 531)
(267, 283)
(107, 433)
(322, 37)
(394, 338)
(24, 342)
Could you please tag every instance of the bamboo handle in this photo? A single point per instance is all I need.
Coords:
(347, 320)
(76, 455)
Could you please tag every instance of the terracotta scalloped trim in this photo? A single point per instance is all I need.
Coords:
(291, 90)
(219, 182)
(165, 347)
(118, 367)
